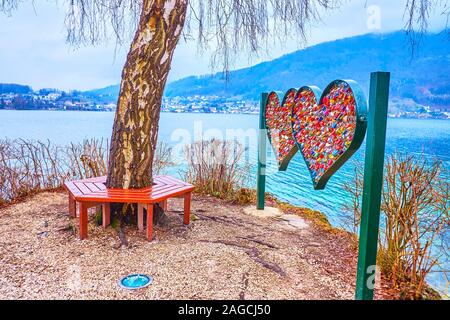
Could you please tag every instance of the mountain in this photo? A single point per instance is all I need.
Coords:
(108, 91)
(421, 75)
(14, 88)
(418, 77)
(108, 94)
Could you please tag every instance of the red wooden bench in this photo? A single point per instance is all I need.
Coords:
(89, 193)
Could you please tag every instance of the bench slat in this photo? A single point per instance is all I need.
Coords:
(94, 190)
(91, 186)
(82, 187)
(71, 188)
(171, 180)
(101, 186)
(166, 191)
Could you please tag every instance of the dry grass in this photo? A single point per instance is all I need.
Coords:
(29, 167)
(262, 259)
(223, 254)
(163, 158)
(215, 168)
(415, 218)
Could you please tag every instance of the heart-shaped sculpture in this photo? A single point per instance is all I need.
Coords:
(328, 133)
(279, 128)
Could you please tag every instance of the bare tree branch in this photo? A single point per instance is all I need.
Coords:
(229, 27)
(417, 15)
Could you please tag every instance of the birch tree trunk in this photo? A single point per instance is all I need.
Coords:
(136, 124)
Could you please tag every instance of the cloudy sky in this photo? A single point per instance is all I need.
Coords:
(33, 50)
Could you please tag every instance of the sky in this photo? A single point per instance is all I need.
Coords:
(33, 50)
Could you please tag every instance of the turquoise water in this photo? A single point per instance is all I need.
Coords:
(428, 137)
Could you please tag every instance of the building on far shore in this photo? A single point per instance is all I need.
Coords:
(51, 99)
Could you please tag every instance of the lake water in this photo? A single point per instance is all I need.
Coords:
(428, 137)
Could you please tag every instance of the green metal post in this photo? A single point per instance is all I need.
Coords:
(373, 184)
(262, 154)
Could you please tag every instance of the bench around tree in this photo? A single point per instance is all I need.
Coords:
(89, 193)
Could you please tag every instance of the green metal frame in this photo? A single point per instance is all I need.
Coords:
(360, 130)
(374, 122)
(262, 154)
(373, 184)
(283, 165)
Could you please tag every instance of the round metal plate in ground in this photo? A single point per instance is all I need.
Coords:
(135, 281)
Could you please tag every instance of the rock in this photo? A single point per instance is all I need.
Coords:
(294, 221)
(268, 212)
(43, 234)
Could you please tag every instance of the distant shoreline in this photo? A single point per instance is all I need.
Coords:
(211, 113)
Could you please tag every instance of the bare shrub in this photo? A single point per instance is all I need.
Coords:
(28, 167)
(351, 218)
(163, 158)
(87, 159)
(415, 217)
(215, 168)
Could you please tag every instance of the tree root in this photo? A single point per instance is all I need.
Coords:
(244, 286)
(122, 237)
(260, 242)
(230, 221)
(220, 220)
(253, 253)
(121, 232)
(159, 216)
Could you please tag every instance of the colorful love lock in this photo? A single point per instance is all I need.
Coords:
(279, 128)
(328, 133)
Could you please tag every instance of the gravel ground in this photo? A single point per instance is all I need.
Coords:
(223, 254)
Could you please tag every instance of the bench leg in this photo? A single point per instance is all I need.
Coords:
(83, 221)
(106, 215)
(141, 217)
(165, 205)
(187, 208)
(72, 207)
(150, 222)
